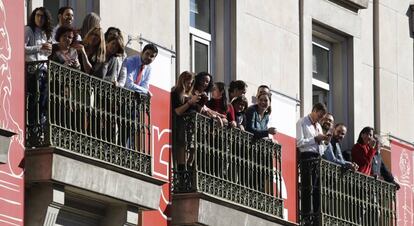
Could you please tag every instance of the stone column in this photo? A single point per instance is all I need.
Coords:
(44, 201)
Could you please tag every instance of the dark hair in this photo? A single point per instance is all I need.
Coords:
(365, 130)
(319, 107)
(108, 32)
(63, 9)
(238, 84)
(62, 30)
(198, 79)
(120, 42)
(339, 124)
(269, 109)
(263, 86)
(221, 88)
(240, 99)
(151, 47)
(47, 25)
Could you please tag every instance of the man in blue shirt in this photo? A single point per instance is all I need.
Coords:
(333, 152)
(137, 69)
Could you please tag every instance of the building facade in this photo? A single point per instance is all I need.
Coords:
(356, 56)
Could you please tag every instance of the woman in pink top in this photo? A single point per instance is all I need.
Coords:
(364, 150)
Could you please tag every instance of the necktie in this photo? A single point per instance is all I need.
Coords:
(139, 75)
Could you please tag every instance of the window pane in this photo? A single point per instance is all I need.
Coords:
(320, 95)
(200, 57)
(320, 64)
(200, 15)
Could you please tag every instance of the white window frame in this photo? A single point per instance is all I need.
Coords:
(204, 38)
(194, 39)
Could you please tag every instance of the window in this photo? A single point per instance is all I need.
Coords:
(200, 34)
(332, 75)
(322, 72)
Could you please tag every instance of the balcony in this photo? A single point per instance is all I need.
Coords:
(85, 136)
(232, 175)
(344, 197)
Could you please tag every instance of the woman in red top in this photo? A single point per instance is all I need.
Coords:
(364, 150)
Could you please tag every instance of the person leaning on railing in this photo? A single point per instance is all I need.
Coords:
(137, 69)
(92, 52)
(257, 117)
(379, 169)
(236, 88)
(364, 150)
(63, 52)
(182, 102)
(218, 103)
(240, 105)
(333, 151)
(112, 67)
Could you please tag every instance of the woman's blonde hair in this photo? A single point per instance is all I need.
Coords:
(100, 50)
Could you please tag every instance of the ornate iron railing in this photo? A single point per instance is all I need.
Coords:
(231, 165)
(332, 195)
(74, 111)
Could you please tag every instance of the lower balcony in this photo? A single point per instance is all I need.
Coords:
(85, 138)
(232, 179)
(331, 195)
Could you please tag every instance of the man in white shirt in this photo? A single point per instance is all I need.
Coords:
(309, 138)
(309, 134)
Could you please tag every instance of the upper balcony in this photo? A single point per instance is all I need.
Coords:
(233, 179)
(84, 132)
(344, 197)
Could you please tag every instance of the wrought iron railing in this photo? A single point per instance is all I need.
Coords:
(231, 165)
(77, 112)
(332, 195)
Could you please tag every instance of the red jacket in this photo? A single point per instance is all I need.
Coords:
(362, 154)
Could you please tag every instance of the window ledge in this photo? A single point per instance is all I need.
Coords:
(354, 5)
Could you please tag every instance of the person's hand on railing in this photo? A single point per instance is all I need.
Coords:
(397, 186)
(233, 124)
(272, 130)
(352, 166)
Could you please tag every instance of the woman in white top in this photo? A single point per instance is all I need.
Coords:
(37, 35)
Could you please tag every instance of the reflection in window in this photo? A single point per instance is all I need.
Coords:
(200, 57)
(200, 15)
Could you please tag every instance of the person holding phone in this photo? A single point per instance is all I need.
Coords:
(364, 150)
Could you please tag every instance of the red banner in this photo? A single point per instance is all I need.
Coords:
(12, 110)
(402, 157)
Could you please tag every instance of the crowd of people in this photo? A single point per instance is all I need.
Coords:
(102, 54)
(191, 94)
(319, 136)
(88, 49)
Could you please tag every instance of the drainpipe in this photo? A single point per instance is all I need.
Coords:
(301, 56)
(376, 52)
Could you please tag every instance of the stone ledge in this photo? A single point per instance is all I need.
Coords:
(202, 209)
(49, 165)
